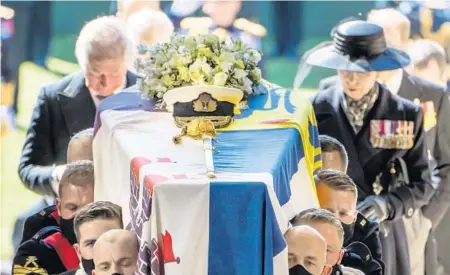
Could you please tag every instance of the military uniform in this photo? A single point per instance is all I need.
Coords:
(46, 217)
(383, 128)
(47, 252)
(366, 232)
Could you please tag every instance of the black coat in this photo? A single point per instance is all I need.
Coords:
(438, 141)
(367, 162)
(367, 232)
(62, 110)
(47, 252)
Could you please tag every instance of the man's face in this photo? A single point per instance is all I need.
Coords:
(357, 84)
(105, 77)
(334, 242)
(72, 198)
(332, 161)
(306, 249)
(431, 72)
(115, 257)
(89, 232)
(80, 149)
(341, 203)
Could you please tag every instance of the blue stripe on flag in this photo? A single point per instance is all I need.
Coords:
(239, 213)
(277, 151)
(313, 135)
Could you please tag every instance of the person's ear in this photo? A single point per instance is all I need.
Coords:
(58, 206)
(327, 270)
(341, 255)
(93, 272)
(77, 249)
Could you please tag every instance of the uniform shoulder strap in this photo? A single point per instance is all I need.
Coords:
(64, 249)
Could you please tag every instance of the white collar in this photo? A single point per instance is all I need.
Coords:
(394, 83)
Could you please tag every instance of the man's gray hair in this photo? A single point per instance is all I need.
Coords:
(104, 38)
(423, 51)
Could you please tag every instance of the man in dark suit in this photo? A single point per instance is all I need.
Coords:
(429, 62)
(375, 127)
(67, 107)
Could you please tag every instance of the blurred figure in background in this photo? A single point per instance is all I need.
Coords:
(225, 24)
(436, 109)
(125, 8)
(149, 27)
(428, 60)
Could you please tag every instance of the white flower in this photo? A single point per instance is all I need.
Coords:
(240, 74)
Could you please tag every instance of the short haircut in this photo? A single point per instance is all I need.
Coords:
(103, 38)
(336, 180)
(329, 144)
(99, 210)
(423, 51)
(78, 173)
(391, 18)
(89, 132)
(317, 215)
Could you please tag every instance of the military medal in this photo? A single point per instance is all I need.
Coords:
(377, 187)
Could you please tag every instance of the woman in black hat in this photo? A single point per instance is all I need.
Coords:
(377, 128)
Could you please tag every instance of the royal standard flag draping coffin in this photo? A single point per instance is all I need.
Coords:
(208, 188)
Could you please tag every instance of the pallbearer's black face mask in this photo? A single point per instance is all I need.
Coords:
(88, 265)
(116, 274)
(67, 230)
(298, 270)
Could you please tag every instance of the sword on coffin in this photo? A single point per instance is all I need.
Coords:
(209, 159)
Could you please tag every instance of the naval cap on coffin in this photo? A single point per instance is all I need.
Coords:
(214, 103)
(359, 46)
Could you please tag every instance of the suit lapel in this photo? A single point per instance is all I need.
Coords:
(77, 105)
(408, 89)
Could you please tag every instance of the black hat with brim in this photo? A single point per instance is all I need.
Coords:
(359, 46)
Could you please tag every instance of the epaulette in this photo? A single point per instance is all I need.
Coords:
(250, 27)
(196, 25)
(48, 250)
(44, 218)
(365, 225)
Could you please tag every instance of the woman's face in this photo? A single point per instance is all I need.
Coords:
(357, 84)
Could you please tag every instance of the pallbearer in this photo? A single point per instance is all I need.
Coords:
(379, 130)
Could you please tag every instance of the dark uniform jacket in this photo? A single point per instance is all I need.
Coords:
(367, 162)
(47, 252)
(436, 107)
(367, 232)
(62, 110)
(437, 130)
(46, 217)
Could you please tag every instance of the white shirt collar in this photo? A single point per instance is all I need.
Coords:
(394, 83)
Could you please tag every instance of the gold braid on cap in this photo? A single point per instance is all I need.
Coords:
(196, 129)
